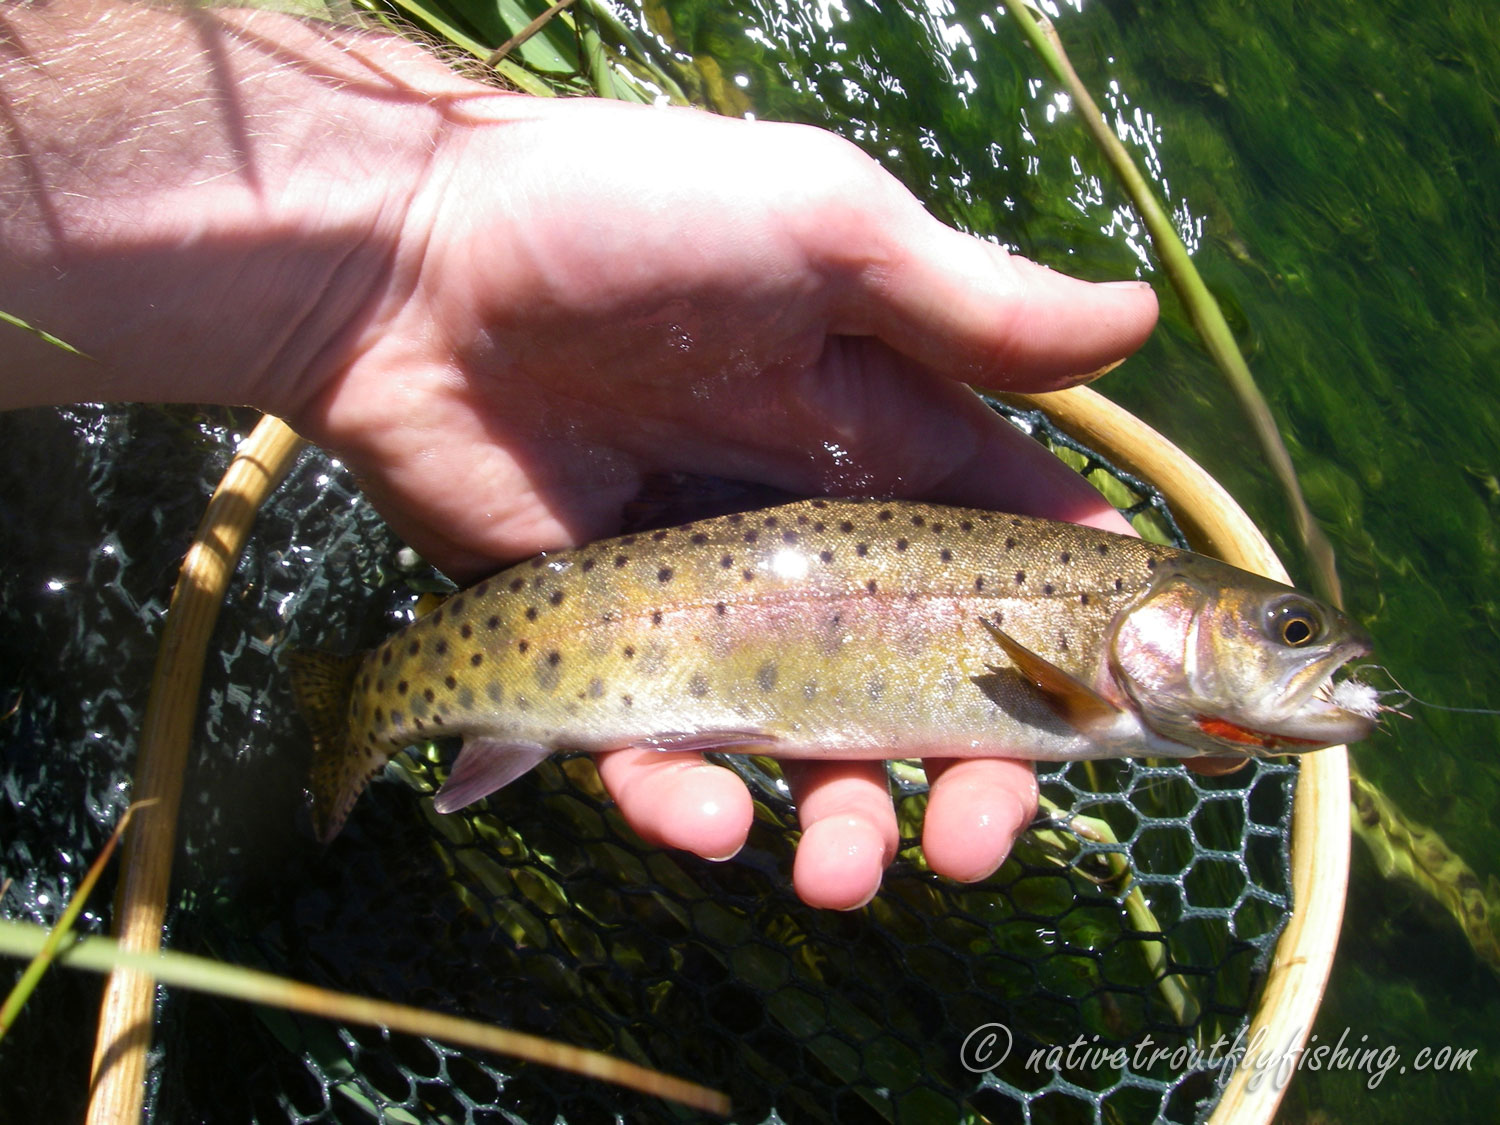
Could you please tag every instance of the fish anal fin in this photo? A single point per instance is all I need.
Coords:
(483, 766)
(1083, 707)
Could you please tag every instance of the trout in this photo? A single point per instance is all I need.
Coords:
(840, 629)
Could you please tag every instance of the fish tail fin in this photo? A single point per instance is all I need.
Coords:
(322, 684)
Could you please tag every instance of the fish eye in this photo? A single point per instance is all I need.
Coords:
(1294, 623)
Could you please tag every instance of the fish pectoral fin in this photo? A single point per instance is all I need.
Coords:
(1082, 706)
(483, 766)
(728, 741)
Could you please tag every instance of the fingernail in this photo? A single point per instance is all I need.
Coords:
(1124, 285)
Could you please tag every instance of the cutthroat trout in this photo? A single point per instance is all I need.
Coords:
(840, 629)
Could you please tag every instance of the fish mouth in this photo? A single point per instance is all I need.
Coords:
(1322, 710)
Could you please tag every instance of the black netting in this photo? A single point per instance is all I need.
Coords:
(538, 909)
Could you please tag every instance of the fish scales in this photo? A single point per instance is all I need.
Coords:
(775, 621)
(842, 629)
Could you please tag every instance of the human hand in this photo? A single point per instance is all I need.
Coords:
(503, 312)
(640, 291)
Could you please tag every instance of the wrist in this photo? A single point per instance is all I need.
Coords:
(208, 228)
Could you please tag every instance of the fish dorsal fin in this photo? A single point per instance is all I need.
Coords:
(1082, 706)
(483, 766)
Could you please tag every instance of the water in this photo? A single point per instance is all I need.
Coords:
(1335, 169)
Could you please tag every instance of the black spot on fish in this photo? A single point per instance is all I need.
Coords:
(1119, 585)
(698, 685)
(656, 617)
(789, 537)
(658, 536)
(664, 574)
(416, 722)
(451, 682)
(1010, 544)
(1065, 558)
(766, 675)
(801, 521)
(429, 695)
(748, 575)
(401, 688)
(522, 646)
(628, 700)
(441, 647)
(554, 658)
(736, 518)
(1083, 599)
(385, 657)
(492, 623)
(720, 608)
(937, 529)
(751, 536)
(437, 616)
(531, 613)
(727, 561)
(621, 560)
(918, 521)
(770, 521)
(870, 585)
(556, 598)
(1150, 564)
(826, 556)
(414, 648)
(861, 549)
(1020, 578)
(536, 563)
(819, 528)
(477, 659)
(884, 514)
(965, 525)
(845, 526)
(380, 714)
(1102, 548)
(698, 539)
(629, 651)
(456, 605)
(979, 582)
(482, 589)
(628, 541)
(1047, 588)
(588, 565)
(901, 544)
(494, 691)
(516, 584)
(945, 555)
(466, 632)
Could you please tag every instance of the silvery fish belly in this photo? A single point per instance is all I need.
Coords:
(841, 629)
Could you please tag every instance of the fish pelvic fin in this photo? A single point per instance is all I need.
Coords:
(1083, 707)
(321, 685)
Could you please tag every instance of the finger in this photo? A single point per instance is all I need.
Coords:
(966, 306)
(976, 810)
(849, 831)
(679, 800)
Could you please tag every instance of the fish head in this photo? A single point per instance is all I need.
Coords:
(1227, 662)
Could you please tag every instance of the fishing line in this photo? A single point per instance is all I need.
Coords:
(1377, 697)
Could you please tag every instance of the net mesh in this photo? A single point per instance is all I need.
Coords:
(1136, 917)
